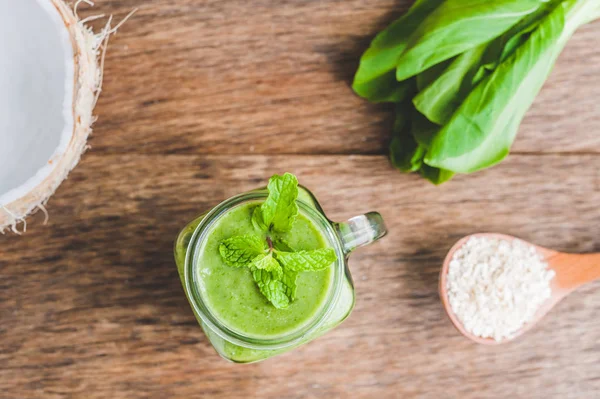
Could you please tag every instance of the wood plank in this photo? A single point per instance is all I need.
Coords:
(91, 305)
(196, 90)
(272, 77)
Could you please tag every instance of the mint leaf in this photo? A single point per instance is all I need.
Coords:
(257, 220)
(300, 261)
(267, 263)
(275, 290)
(289, 281)
(279, 211)
(282, 245)
(241, 250)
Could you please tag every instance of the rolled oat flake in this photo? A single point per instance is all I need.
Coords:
(496, 286)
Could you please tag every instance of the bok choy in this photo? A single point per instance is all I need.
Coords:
(462, 74)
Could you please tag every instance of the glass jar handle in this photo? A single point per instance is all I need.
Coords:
(360, 231)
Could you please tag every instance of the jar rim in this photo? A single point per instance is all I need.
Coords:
(212, 322)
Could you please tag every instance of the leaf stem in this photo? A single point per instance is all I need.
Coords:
(580, 12)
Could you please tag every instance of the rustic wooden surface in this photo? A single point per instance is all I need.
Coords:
(204, 99)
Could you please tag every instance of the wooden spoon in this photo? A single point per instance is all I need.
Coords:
(572, 271)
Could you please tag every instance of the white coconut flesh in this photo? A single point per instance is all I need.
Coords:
(48, 84)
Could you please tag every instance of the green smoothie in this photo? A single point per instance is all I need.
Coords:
(232, 295)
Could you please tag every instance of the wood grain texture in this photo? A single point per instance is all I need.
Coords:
(240, 77)
(207, 98)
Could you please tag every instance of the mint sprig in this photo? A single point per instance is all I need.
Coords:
(274, 265)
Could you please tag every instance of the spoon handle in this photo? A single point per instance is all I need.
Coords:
(573, 271)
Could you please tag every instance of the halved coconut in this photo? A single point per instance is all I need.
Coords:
(48, 85)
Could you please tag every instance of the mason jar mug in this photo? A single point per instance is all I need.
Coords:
(338, 301)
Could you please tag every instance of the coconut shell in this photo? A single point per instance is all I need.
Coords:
(88, 77)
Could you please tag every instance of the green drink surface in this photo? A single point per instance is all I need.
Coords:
(231, 294)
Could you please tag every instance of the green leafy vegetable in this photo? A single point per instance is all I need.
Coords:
(274, 265)
(376, 76)
(422, 129)
(466, 73)
(383, 89)
(445, 33)
(504, 46)
(436, 175)
(442, 97)
(405, 153)
(430, 75)
(475, 138)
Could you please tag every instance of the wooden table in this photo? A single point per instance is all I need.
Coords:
(204, 99)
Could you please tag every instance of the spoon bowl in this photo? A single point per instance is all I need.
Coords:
(571, 272)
